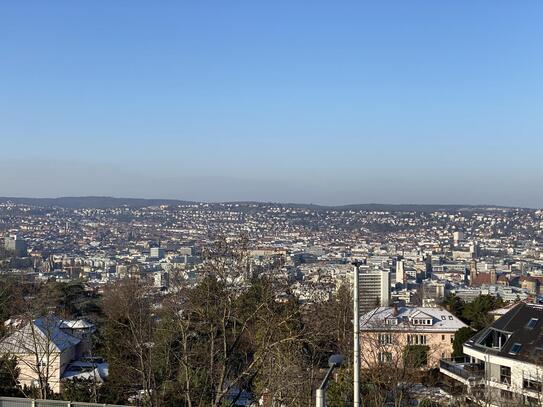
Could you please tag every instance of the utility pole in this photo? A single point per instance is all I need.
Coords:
(356, 343)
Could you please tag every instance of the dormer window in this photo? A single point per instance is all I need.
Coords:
(494, 339)
(420, 321)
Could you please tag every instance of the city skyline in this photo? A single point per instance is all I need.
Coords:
(271, 203)
(328, 104)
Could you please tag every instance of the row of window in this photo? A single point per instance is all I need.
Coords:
(415, 321)
(388, 339)
(422, 322)
(385, 339)
(416, 339)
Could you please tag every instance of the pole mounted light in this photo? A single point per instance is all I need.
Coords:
(333, 362)
(356, 339)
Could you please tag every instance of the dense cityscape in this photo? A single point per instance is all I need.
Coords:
(465, 251)
(442, 272)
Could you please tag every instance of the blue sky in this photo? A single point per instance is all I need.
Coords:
(296, 101)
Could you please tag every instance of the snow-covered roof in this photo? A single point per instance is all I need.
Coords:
(44, 334)
(76, 324)
(86, 370)
(403, 318)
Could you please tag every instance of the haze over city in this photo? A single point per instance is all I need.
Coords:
(279, 101)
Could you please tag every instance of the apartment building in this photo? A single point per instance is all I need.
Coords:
(374, 288)
(387, 333)
(503, 364)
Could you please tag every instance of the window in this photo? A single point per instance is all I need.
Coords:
(507, 395)
(505, 374)
(442, 337)
(416, 339)
(531, 401)
(385, 357)
(385, 339)
(494, 339)
(531, 384)
(532, 323)
(515, 349)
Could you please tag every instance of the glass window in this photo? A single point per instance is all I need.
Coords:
(532, 323)
(531, 384)
(385, 339)
(515, 349)
(385, 357)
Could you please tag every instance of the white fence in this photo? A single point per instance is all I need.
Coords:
(19, 402)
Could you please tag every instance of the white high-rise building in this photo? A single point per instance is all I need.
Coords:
(400, 272)
(374, 289)
(458, 236)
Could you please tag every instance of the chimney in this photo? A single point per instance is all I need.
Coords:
(395, 310)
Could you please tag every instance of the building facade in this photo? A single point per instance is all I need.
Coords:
(388, 334)
(503, 364)
(374, 289)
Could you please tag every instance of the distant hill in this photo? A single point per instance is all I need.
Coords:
(104, 202)
(97, 202)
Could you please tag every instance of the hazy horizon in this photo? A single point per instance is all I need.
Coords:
(155, 198)
(324, 103)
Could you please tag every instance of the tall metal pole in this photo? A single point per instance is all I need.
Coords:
(356, 343)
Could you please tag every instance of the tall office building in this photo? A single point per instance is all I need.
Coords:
(374, 289)
(15, 245)
(157, 252)
(475, 250)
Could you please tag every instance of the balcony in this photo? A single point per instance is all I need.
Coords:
(463, 370)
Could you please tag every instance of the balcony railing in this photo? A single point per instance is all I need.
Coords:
(464, 368)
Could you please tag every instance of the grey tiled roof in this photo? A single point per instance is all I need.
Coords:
(515, 324)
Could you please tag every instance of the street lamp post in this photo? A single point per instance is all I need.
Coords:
(356, 339)
(333, 362)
